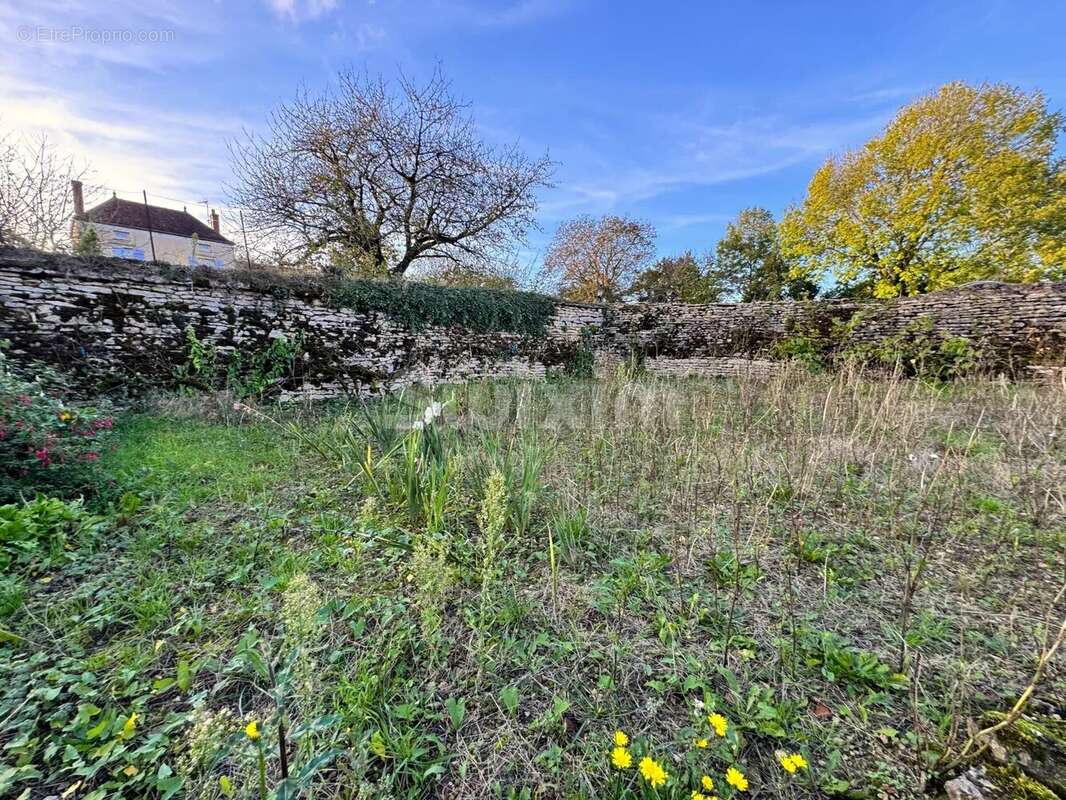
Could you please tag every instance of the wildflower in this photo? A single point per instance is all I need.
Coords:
(697, 795)
(735, 778)
(91, 456)
(707, 783)
(433, 410)
(652, 772)
(702, 744)
(621, 758)
(791, 762)
(719, 723)
(620, 739)
(251, 730)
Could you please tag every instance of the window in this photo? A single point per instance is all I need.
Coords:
(122, 236)
(203, 248)
(133, 253)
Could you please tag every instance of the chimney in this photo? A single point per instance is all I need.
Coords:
(214, 221)
(79, 198)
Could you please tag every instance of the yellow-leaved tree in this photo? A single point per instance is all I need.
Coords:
(963, 185)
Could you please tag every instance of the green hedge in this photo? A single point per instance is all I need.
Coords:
(421, 305)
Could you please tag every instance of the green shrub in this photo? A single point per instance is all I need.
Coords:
(38, 532)
(920, 350)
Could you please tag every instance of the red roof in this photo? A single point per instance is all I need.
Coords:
(130, 214)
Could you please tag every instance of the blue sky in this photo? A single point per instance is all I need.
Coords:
(678, 113)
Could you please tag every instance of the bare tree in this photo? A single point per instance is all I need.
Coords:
(367, 176)
(36, 203)
(598, 259)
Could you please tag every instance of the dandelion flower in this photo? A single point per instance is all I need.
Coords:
(702, 744)
(620, 739)
(719, 723)
(735, 778)
(707, 783)
(251, 730)
(697, 795)
(786, 762)
(621, 759)
(652, 772)
(799, 761)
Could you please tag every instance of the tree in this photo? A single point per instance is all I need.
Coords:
(88, 244)
(596, 260)
(749, 264)
(473, 276)
(677, 279)
(36, 203)
(964, 184)
(382, 178)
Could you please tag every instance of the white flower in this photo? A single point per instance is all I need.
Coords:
(417, 425)
(432, 412)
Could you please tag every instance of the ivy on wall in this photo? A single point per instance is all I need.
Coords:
(420, 305)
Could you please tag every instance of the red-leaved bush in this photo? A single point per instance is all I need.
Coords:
(47, 446)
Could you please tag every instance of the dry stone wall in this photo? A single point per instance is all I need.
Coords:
(115, 323)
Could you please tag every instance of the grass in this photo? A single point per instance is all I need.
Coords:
(842, 566)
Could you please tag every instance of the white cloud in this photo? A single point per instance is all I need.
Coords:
(299, 10)
(181, 156)
(685, 152)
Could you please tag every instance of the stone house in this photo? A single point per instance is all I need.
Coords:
(132, 230)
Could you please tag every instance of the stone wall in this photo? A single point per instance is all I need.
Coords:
(118, 323)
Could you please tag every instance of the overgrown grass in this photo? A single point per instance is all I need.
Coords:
(470, 603)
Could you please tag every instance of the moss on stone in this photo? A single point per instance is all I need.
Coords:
(1036, 744)
(1016, 785)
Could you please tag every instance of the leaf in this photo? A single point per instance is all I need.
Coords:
(456, 710)
(184, 675)
(377, 745)
(168, 786)
(509, 698)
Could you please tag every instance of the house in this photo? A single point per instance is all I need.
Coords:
(127, 229)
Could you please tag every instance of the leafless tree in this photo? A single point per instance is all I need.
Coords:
(36, 204)
(378, 177)
(597, 259)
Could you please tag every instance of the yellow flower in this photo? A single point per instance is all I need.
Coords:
(620, 739)
(621, 759)
(130, 726)
(702, 744)
(719, 723)
(799, 761)
(735, 778)
(707, 783)
(652, 772)
(787, 762)
(251, 730)
(698, 795)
